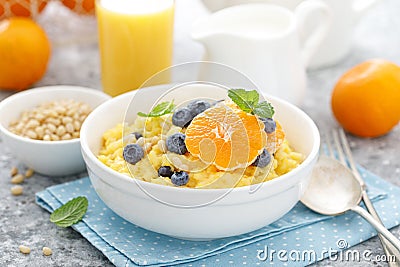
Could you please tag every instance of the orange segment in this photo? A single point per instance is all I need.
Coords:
(226, 136)
(275, 139)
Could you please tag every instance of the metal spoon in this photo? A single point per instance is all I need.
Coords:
(333, 190)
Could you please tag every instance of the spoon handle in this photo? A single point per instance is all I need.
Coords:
(379, 227)
(390, 251)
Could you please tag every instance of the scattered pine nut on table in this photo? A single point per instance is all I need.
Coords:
(13, 171)
(17, 190)
(17, 179)
(24, 249)
(47, 251)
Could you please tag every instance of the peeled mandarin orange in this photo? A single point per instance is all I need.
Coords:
(275, 139)
(85, 7)
(365, 100)
(24, 53)
(226, 136)
(22, 8)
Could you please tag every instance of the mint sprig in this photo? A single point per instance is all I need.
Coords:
(248, 102)
(159, 110)
(70, 213)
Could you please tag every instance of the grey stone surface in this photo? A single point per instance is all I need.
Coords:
(23, 222)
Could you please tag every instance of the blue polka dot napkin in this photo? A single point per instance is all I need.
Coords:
(299, 238)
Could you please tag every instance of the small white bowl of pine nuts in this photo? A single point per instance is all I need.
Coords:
(41, 126)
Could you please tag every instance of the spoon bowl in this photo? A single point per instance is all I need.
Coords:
(333, 190)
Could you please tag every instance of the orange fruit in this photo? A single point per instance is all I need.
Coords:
(85, 7)
(275, 139)
(24, 53)
(226, 136)
(22, 8)
(366, 99)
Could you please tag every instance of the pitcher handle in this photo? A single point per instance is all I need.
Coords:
(312, 38)
(361, 6)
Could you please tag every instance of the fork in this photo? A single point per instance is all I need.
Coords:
(343, 152)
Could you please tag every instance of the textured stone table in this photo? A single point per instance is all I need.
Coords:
(23, 222)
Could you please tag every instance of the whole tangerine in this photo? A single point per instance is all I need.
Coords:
(21, 8)
(366, 99)
(24, 53)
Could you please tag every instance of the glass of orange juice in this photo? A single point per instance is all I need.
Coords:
(135, 41)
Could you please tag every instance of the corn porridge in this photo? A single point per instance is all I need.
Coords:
(201, 145)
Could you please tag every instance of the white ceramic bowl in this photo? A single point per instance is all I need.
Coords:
(53, 158)
(182, 212)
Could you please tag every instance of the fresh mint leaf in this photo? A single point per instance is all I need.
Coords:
(246, 100)
(264, 110)
(70, 213)
(159, 110)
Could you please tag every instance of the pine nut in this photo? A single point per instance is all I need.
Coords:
(17, 190)
(77, 125)
(66, 120)
(32, 124)
(66, 136)
(47, 251)
(24, 249)
(147, 147)
(140, 141)
(40, 131)
(14, 171)
(162, 146)
(28, 173)
(31, 134)
(17, 179)
(154, 140)
(51, 127)
(70, 128)
(61, 130)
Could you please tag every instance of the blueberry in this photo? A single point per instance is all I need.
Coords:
(198, 106)
(263, 159)
(137, 135)
(165, 171)
(133, 153)
(176, 143)
(270, 125)
(182, 117)
(180, 178)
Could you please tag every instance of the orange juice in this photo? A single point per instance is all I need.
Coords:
(135, 41)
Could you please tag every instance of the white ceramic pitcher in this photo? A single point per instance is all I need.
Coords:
(337, 44)
(266, 42)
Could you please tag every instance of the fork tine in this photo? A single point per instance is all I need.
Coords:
(339, 148)
(349, 156)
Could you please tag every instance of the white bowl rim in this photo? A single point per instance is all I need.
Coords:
(50, 88)
(86, 150)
